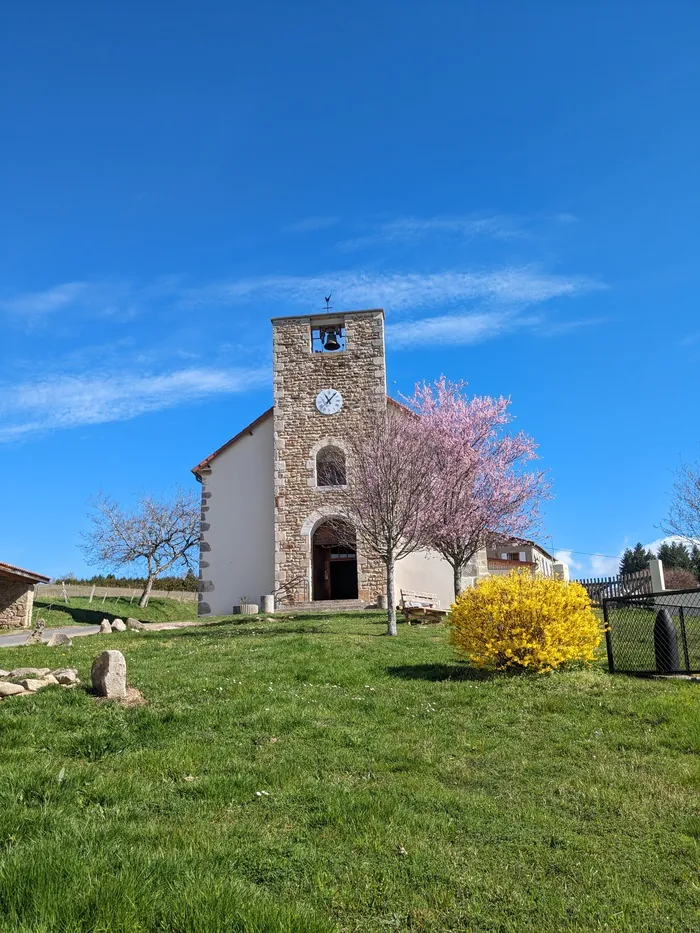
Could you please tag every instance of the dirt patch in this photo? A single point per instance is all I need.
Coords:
(133, 698)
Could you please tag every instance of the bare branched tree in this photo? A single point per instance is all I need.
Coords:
(684, 514)
(286, 592)
(159, 534)
(390, 478)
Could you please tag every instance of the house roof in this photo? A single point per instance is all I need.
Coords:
(204, 464)
(526, 541)
(9, 570)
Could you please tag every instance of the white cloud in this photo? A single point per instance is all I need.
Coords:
(455, 329)
(44, 302)
(397, 291)
(464, 329)
(66, 401)
(121, 300)
(496, 226)
(654, 546)
(602, 566)
(567, 557)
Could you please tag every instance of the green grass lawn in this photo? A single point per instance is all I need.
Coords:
(79, 609)
(403, 790)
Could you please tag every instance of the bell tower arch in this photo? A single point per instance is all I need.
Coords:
(329, 378)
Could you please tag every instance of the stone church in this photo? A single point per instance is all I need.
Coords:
(268, 493)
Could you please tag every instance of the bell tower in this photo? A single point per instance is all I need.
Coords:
(329, 378)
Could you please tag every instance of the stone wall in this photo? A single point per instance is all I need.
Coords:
(205, 584)
(359, 374)
(16, 601)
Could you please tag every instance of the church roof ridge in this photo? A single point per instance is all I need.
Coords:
(204, 464)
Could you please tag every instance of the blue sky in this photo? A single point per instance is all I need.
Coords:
(516, 184)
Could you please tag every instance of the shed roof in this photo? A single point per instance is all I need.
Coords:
(9, 570)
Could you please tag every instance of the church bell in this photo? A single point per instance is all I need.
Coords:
(331, 340)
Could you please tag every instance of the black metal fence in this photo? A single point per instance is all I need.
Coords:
(629, 584)
(653, 633)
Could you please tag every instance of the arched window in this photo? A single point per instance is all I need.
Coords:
(330, 467)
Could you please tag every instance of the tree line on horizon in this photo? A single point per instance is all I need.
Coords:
(187, 582)
(674, 555)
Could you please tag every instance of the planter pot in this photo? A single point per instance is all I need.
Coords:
(248, 609)
(382, 601)
(268, 603)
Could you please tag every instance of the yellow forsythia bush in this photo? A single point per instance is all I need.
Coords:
(524, 621)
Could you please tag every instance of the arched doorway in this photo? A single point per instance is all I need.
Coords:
(334, 562)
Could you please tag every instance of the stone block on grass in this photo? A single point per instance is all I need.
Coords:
(59, 640)
(33, 684)
(8, 690)
(66, 676)
(108, 675)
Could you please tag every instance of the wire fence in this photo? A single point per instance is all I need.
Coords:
(653, 633)
(102, 594)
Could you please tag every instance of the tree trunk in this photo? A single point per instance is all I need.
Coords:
(457, 570)
(391, 599)
(143, 602)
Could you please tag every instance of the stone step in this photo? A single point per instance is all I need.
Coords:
(328, 605)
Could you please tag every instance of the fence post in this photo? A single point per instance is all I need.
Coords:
(92, 592)
(608, 639)
(63, 592)
(658, 583)
(684, 638)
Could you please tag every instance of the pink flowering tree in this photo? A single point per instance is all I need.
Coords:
(483, 489)
(391, 475)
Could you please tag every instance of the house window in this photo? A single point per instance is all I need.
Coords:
(515, 555)
(330, 467)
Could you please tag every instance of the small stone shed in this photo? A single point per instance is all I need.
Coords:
(17, 595)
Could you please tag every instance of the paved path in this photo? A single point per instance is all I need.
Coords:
(19, 638)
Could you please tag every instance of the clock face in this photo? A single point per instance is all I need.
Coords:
(329, 401)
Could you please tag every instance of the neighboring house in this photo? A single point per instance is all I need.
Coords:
(17, 595)
(513, 553)
(268, 493)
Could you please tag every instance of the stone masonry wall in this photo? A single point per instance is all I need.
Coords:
(359, 374)
(16, 601)
(205, 584)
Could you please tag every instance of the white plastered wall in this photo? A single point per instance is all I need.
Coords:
(240, 536)
(426, 572)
